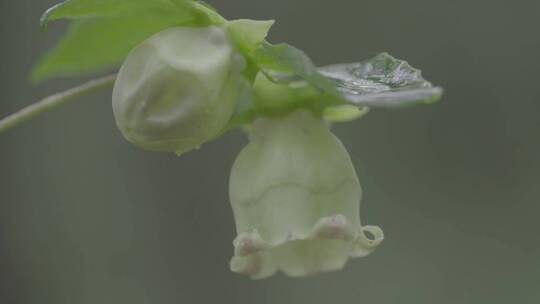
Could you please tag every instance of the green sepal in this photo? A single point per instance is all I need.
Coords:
(344, 113)
(248, 35)
(284, 63)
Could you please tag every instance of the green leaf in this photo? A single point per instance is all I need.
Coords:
(382, 81)
(76, 9)
(104, 31)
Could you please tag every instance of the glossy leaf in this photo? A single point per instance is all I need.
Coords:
(382, 81)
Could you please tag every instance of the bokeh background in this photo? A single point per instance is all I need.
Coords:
(87, 218)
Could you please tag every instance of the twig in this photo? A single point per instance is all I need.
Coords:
(54, 101)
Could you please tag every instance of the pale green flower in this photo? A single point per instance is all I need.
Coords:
(296, 198)
(178, 89)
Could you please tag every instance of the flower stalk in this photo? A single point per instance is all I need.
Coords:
(54, 101)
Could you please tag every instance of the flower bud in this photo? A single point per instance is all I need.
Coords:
(178, 89)
(296, 200)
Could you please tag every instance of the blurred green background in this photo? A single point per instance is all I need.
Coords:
(87, 218)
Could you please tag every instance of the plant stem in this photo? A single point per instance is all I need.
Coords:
(54, 101)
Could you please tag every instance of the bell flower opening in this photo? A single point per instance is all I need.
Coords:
(296, 200)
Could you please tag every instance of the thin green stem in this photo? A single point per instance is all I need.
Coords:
(54, 101)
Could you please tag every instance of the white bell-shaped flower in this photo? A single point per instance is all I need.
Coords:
(296, 198)
(178, 89)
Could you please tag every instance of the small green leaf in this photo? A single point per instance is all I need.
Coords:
(104, 31)
(382, 81)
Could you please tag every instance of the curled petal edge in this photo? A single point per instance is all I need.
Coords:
(253, 255)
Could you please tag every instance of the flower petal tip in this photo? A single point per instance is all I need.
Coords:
(366, 244)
